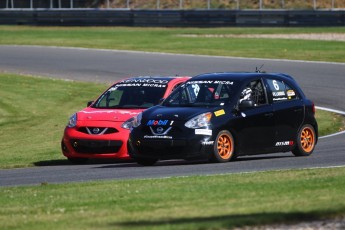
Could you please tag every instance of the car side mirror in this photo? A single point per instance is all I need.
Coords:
(246, 104)
(89, 103)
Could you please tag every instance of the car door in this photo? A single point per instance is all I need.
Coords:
(255, 125)
(288, 111)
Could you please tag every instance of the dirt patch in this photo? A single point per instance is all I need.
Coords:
(304, 36)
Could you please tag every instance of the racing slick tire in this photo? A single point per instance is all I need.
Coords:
(306, 140)
(78, 160)
(146, 161)
(223, 148)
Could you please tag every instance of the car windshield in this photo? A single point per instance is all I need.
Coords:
(203, 93)
(129, 94)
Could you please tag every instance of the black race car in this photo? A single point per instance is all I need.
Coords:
(220, 116)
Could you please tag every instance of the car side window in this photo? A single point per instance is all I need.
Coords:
(254, 91)
(281, 91)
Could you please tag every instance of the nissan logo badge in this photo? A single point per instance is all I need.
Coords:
(160, 130)
(95, 130)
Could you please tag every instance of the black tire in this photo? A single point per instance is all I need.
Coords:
(223, 148)
(78, 160)
(306, 140)
(146, 161)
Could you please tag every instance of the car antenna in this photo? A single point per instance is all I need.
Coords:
(258, 70)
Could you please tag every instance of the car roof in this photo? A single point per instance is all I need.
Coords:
(167, 78)
(240, 76)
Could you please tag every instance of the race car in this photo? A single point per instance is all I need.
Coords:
(221, 116)
(101, 130)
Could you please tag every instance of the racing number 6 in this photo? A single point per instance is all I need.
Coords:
(275, 84)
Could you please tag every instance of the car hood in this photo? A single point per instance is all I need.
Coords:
(117, 115)
(174, 113)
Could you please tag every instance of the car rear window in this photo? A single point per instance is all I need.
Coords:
(281, 91)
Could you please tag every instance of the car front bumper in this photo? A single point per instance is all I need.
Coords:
(77, 144)
(197, 147)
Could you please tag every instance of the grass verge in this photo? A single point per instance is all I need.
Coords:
(34, 112)
(170, 40)
(197, 202)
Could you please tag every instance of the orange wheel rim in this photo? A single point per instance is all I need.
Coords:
(224, 147)
(307, 139)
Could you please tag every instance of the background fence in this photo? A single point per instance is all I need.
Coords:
(176, 18)
(175, 4)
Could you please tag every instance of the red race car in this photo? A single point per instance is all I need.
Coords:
(101, 130)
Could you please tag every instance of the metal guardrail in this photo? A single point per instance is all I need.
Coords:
(176, 18)
(179, 4)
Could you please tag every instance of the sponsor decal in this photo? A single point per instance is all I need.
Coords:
(199, 82)
(207, 142)
(203, 132)
(219, 112)
(157, 122)
(154, 85)
(278, 94)
(157, 137)
(224, 82)
(143, 80)
(291, 93)
(280, 99)
(211, 82)
(284, 143)
(140, 84)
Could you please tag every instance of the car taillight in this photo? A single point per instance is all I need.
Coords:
(313, 108)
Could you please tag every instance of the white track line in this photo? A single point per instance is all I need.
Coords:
(333, 111)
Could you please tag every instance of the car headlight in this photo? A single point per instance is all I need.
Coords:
(128, 124)
(202, 120)
(72, 121)
(132, 122)
(137, 120)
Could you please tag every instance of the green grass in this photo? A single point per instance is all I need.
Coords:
(169, 40)
(329, 122)
(34, 112)
(197, 202)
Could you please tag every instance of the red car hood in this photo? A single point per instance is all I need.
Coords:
(118, 115)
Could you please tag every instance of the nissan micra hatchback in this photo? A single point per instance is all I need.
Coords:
(101, 130)
(220, 116)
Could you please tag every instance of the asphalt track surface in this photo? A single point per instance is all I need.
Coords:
(322, 82)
